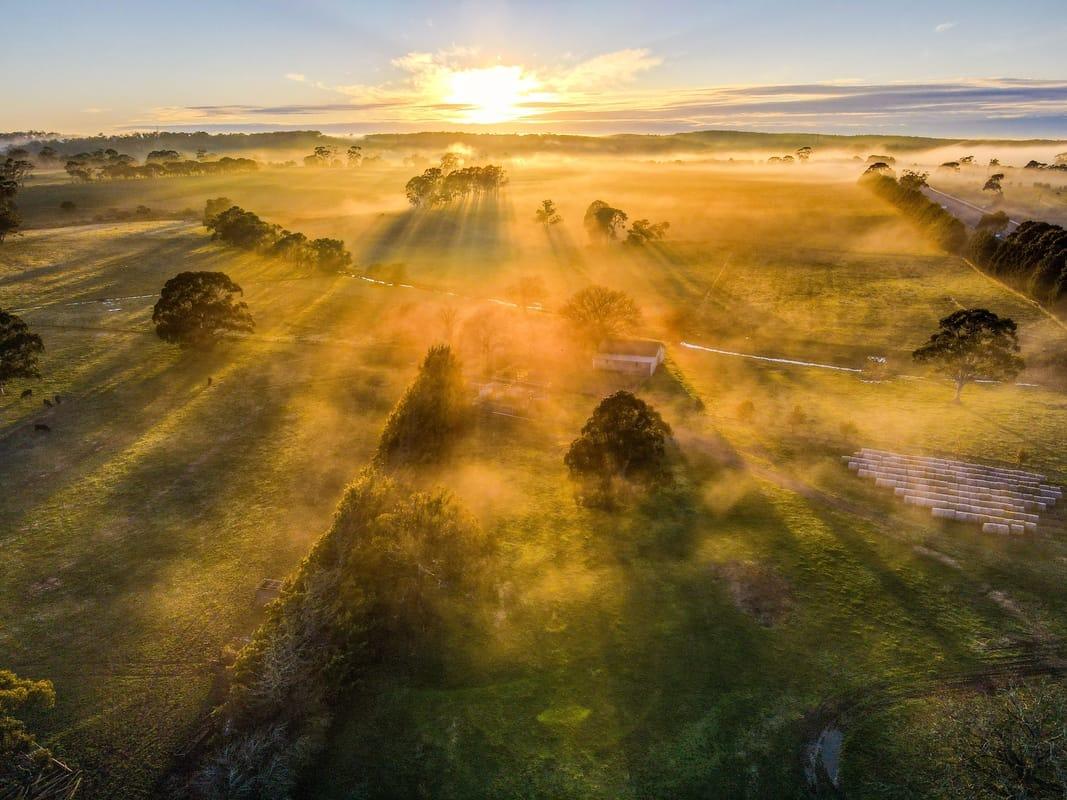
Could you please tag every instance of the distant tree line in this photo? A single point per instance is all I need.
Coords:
(906, 194)
(438, 186)
(235, 226)
(1032, 258)
(109, 164)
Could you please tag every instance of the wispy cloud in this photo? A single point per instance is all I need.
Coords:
(945, 26)
(299, 77)
(458, 88)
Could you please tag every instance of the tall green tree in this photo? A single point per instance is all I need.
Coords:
(643, 231)
(196, 308)
(625, 438)
(425, 423)
(19, 349)
(971, 344)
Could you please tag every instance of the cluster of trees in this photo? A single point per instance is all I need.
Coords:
(244, 229)
(328, 156)
(1060, 163)
(441, 185)
(13, 172)
(377, 590)
(906, 194)
(111, 165)
(604, 223)
(25, 766)
(1033, 257)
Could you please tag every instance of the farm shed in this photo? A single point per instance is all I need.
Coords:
(633, 356)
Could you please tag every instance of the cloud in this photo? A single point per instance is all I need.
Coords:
(945, 26)
(609, 70)
(459, 88)
(93, 110)
(299, 77)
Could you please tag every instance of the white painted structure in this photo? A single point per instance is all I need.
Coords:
(632, 356)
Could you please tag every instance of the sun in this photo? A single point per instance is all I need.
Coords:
(490, 94)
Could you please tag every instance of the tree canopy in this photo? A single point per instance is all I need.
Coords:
(19, 349)
(624, 438)
(196, 308)
(598, 313)
(21, 760)
(602, 222)
(13, 172)
(971, 344)
(426, 420)
(547, 214)
(642, 231)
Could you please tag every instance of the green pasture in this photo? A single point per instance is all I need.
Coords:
(627, 654)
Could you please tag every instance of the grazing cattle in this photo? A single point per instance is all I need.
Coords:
(27, 393)
(48, 403)
(58, 399)
(40, 426)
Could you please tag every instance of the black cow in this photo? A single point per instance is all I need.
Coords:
(47, 403)
(27, 393)
(58, 399)
(40, 426)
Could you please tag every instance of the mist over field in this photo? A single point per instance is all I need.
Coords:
(474, 402)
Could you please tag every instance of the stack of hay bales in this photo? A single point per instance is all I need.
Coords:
(1006, 501)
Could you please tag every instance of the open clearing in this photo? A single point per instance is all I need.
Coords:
(620, 661)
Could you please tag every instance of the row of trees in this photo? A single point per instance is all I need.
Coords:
(235, 226)
(906, 194)
(125, 167)
(13, 172)
(439, 186)
(1033, 258)
(329, 156)
(378, 589)
(605, 223)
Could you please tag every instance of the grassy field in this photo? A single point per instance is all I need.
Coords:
(681, 649)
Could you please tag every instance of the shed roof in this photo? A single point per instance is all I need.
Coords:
(648, 348)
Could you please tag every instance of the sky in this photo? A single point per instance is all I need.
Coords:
(934, 68)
